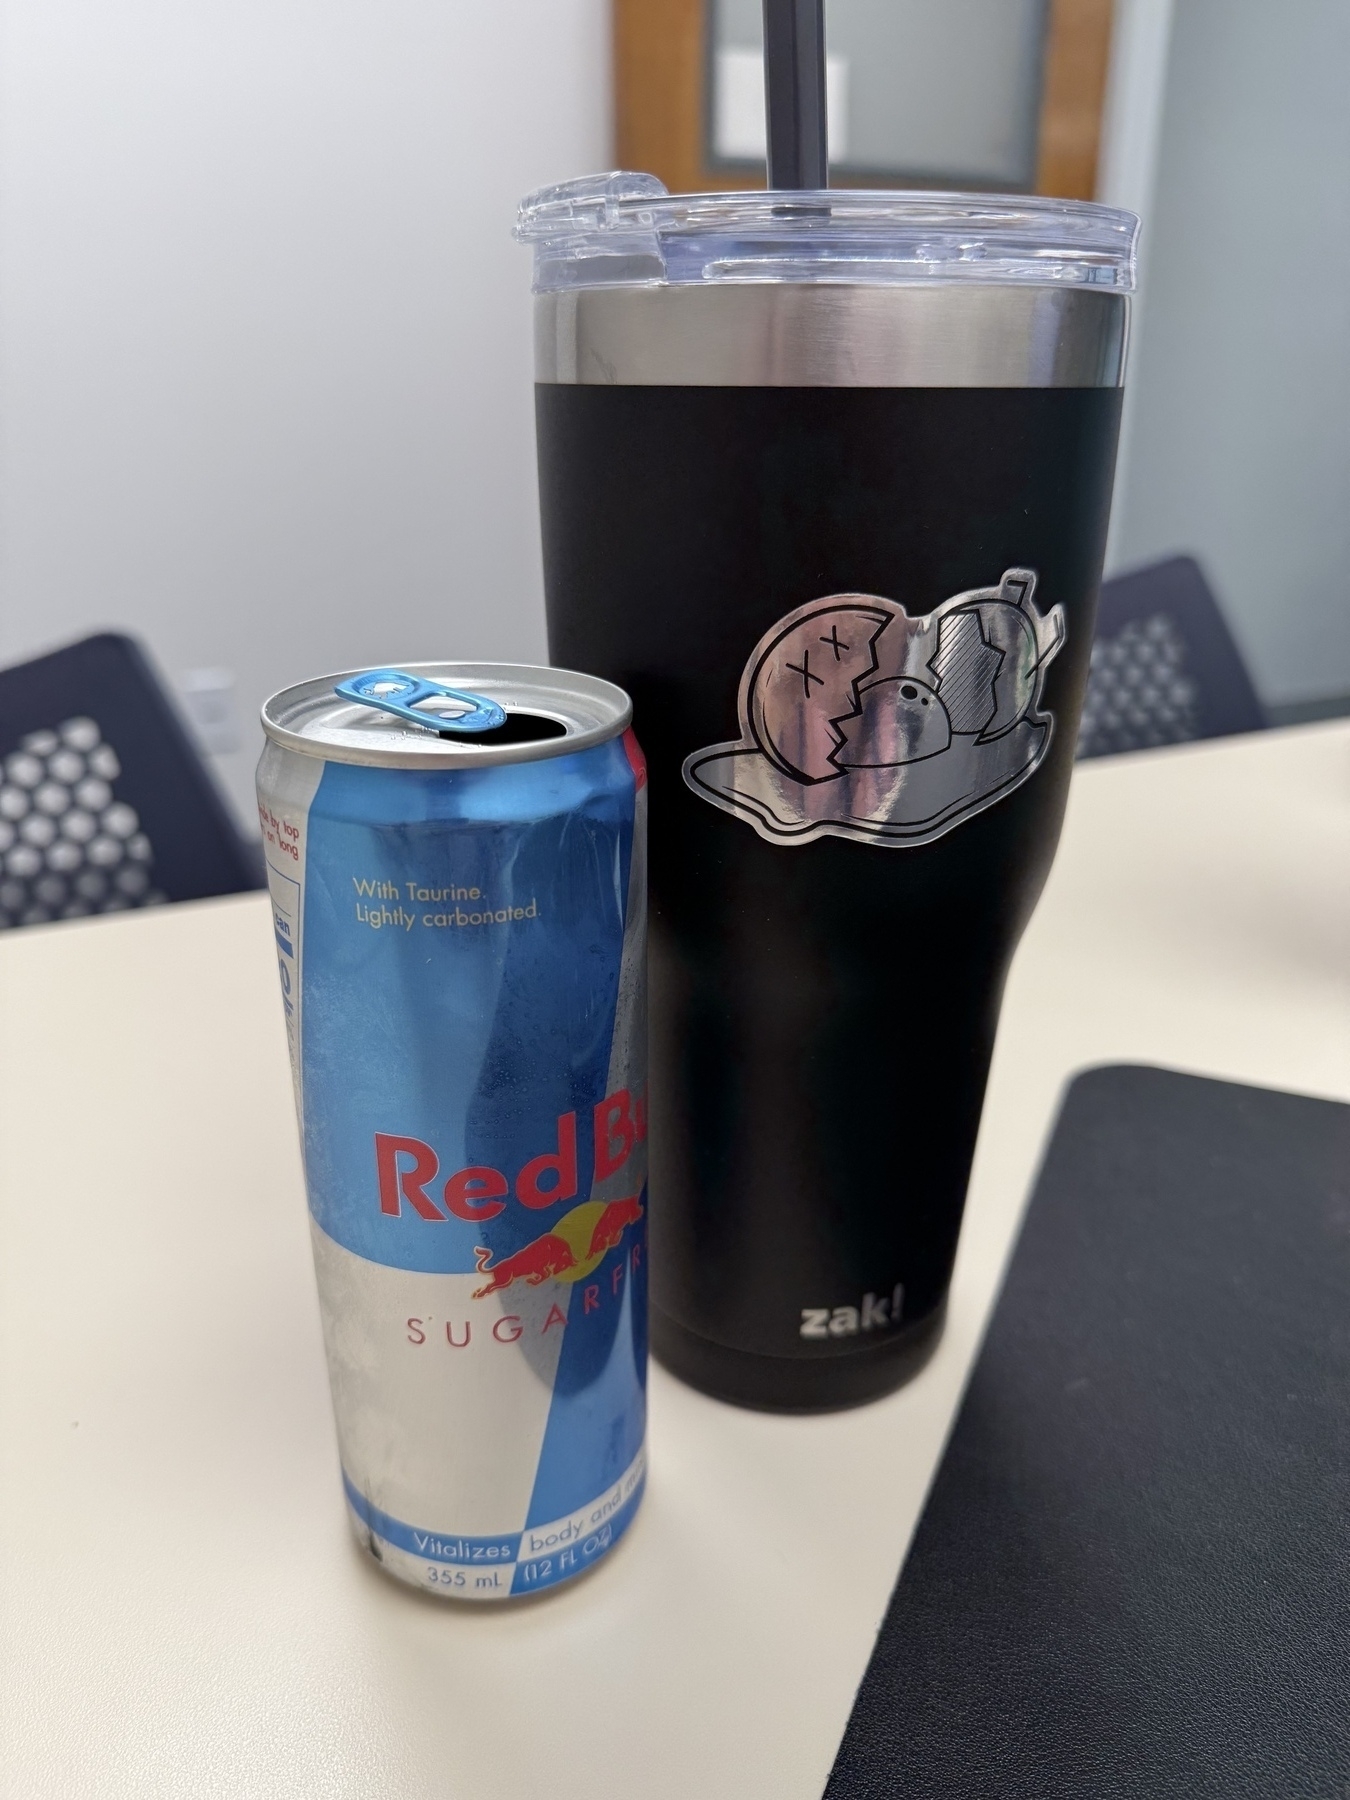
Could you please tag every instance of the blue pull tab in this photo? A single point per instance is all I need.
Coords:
(394, 692)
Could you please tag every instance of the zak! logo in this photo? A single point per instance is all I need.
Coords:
(406, 1167)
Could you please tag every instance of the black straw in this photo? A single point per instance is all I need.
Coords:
(794, 93)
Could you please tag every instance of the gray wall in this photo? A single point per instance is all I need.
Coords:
(1239, 448)
(264, 335)
(264, 348)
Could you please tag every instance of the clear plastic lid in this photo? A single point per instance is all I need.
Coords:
(625, 229)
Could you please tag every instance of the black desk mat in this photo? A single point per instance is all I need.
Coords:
(1132, 1576)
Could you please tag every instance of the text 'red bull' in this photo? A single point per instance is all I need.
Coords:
(477, 1193)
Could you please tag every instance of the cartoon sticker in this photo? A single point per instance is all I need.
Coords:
(860, 722)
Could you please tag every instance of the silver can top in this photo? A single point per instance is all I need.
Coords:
(548, 712)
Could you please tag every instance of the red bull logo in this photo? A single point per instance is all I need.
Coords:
(569, 1252)
(405, 1168)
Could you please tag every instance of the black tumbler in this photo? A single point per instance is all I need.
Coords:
(824, 484)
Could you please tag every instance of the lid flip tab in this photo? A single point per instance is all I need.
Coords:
(395, 692)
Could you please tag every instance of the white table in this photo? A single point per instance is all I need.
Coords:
(182, 1611)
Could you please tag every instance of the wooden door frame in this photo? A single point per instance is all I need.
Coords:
(660, 87)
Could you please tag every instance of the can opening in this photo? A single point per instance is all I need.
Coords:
(520, 728)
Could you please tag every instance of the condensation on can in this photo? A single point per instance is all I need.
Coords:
(461, 933)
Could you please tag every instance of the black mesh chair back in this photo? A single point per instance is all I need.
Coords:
(105, 803)
(1164, 668)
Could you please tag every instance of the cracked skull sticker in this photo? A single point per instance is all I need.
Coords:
(860, 722)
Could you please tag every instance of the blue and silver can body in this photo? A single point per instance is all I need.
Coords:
(460, 931)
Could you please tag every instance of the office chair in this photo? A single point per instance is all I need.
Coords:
(105, 803)
(1165, 669)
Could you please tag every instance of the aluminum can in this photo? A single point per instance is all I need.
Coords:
(460, 934)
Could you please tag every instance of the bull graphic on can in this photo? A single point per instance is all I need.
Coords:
(858, 721)
(575, 1246)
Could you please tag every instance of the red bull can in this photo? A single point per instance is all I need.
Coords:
(456, 855)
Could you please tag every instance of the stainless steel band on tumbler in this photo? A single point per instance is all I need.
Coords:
(638, 287)
(932, 333)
